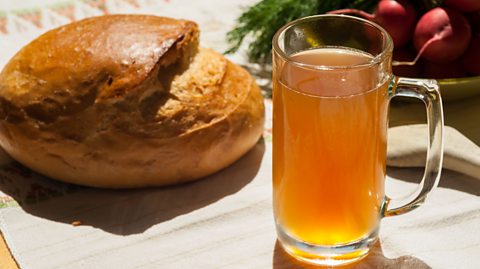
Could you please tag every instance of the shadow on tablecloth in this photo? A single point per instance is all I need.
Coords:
(376, 259)
(449, 179)
(122, 212)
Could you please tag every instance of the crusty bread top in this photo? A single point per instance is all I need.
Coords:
(126, 101)
(69, 68)
(142, 76)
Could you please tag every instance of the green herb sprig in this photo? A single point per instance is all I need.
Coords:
(263, 19)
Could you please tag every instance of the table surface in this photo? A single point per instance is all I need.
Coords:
(462, 115)
(6, 258)
(225, 221)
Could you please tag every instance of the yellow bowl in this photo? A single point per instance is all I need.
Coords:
(459, 88)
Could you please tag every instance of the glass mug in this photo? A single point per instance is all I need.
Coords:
(332, 83)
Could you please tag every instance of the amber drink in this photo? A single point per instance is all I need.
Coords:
(332, 83)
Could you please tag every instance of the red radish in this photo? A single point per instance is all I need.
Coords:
(445, 70)
(412, 71)
(442, 35)
(397, 17)
(471, 58)
(463, 5)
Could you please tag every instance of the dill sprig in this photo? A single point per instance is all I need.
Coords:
(263, 19)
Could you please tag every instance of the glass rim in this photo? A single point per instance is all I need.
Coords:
(376, 60)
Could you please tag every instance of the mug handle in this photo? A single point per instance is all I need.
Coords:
(427, 91)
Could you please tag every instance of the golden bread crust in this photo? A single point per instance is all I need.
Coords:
(165, 118)
(67, 69)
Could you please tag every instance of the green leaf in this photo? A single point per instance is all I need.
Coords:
(262, 20)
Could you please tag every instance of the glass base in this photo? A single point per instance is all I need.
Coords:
(334, 255)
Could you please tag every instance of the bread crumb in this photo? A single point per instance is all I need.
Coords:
(76, 223)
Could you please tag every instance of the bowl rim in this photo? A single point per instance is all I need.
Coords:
(459, 80)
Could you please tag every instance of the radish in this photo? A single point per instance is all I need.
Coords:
(397, 17)
(471, 58)
(442, 35)
(463, 5)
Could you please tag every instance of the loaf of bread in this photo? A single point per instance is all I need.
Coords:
(126, 101)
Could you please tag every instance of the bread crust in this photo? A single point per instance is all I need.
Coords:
(126, 101)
